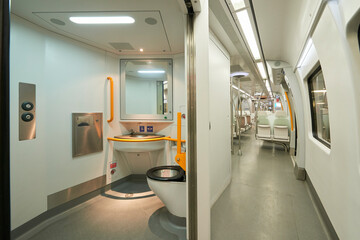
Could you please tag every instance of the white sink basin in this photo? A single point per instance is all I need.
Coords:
(139, 146)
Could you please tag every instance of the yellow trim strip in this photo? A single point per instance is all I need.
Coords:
(291, 117)
(111, 99)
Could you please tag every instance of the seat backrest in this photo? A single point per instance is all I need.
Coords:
(280, 114)
(263, 121)
(281, 122)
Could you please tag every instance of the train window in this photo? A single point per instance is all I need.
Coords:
(319, 107)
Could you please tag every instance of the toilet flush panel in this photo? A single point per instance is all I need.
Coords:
(87, 133)
(27, 108)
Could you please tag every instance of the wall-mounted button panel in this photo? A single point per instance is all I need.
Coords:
(27, 108)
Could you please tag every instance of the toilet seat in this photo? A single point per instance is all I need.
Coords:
(166, 173)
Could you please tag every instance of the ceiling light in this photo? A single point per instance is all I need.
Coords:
(102, 20)
(238, 4)
(246, 27)
(151, 71)
(141, 50)
(267, 84)
(239, 74)
(319, 91)
(308, 45)
(261, 68)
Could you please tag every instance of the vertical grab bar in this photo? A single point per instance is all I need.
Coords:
(111, 99)
(180, 157)
(291, 117)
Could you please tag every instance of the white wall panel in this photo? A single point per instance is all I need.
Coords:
(335, 172)
(219, 103)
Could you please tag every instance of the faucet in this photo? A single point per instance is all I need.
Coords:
(132, 131)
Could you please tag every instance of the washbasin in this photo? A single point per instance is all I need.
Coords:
(139, 146)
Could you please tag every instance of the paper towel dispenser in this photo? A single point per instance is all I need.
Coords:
(87, 133)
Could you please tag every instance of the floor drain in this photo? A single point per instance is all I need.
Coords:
(129, 195)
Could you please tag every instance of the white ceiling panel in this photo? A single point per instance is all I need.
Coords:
(166, 36)
(103, 34)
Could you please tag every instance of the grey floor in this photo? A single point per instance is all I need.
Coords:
(264, 200)
(130, 212)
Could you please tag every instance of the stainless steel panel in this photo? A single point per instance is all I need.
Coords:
(87, 133)
(192, 137)
(71, 193)
(27, 109)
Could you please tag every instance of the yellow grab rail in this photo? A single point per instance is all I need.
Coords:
(180, 157)
(144, 140)
(111, 99)
(291, 118)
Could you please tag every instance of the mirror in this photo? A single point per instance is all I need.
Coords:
(146, 89)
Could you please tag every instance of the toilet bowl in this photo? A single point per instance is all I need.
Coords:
(169, 184)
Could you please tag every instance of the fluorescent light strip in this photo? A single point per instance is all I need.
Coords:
(151, 71)
(238, 4)
(319, 91)
(261, 68)
(102, 20)
(246, 27)
(308, 45)
(240, 90)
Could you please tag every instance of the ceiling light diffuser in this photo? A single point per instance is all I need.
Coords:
(246, 27)
(103, 20)
(238, 4)
(261, 68)
(151, 71)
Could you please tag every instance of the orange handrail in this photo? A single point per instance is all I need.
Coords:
(291, 118)
(144, 140)
(111, 99)
(180, 157)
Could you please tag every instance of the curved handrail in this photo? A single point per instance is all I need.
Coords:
(144, 140)
(111, 99)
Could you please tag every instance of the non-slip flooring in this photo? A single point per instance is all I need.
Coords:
(264, 200)
(130, 211)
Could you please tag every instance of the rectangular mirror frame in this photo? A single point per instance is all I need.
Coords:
(158, 117)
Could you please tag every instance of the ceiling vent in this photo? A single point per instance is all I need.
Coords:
(122, 46)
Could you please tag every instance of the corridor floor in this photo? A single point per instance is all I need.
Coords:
(264, 200)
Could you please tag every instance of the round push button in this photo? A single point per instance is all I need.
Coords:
(27, 106)
(27, 117)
